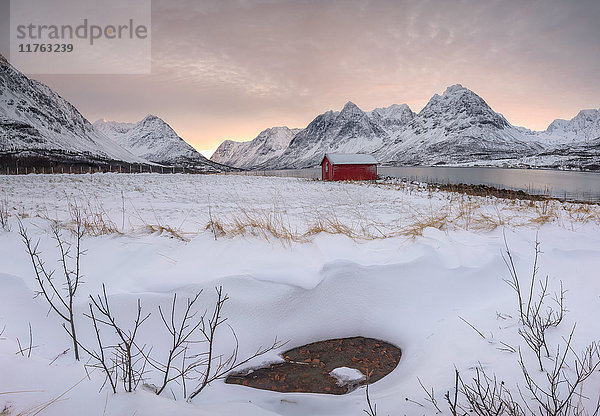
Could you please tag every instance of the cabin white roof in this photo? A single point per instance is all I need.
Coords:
(350, 159)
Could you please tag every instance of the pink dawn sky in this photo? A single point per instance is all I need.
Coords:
(227, 69)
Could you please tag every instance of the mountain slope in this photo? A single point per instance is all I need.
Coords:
(393, 118)
(584, 127)
(348, 131)
(35, 120)
(270, 143)
(455, 127)
(154, 140)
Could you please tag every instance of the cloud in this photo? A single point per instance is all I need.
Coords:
(229, 68)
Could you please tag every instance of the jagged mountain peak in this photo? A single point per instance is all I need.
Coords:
(350, 107)
(392, 118)
(590, 114)
(351, 112)
(152, 118)
(456, 89)
(584, 117)
(457, 108)
(155, 140)
(394, 111)
(585, 126)
(268, 144)
(103, 123)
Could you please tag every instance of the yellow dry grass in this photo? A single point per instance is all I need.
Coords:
(40, 408)
(446, 211)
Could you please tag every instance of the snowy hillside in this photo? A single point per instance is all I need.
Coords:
(35, 119)
(154, 140)
(349, 131)
(584, 127)
(270, 143)
(455, 127)
(393, 118)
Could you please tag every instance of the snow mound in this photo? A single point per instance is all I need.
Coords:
(347, 375)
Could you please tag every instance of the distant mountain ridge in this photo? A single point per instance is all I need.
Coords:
(455, 128)
(36, 120)
(38, 126)
(581, 129)
(152, 139)
(269, 144)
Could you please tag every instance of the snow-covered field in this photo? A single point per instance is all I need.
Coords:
(302, 261)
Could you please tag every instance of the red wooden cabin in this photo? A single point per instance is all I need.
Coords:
(348, 167)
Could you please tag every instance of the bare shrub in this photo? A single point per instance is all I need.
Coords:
(59, 300)
(561, 392)
(535, 315)
(128, 360)
(182, 333)
(26, 349)
(4, 214)
(371, 409)
(209, 365)
(485, 396)
(558, 388)
(430, 396)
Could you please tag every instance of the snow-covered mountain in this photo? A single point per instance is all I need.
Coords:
(393, 118)
(269, 144)
(348, 131)
(455, 127)
(581, 129)
(36, 121)
(154, 140)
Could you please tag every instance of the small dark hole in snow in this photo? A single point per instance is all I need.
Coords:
(324, 367)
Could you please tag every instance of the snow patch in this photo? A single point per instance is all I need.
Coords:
(347, 375)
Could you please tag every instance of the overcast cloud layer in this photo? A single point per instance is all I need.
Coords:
(230, 68)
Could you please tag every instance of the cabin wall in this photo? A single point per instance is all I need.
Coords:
(326, 174)
(354, 172)
(347, 172)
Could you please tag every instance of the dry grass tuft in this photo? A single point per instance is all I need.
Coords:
(432, 219)
(167, 230)
(37, 410)
(357, 216)
(216, 228)
(94, 218)
(269, 225)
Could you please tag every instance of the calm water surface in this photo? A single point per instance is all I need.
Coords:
(584, 186)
